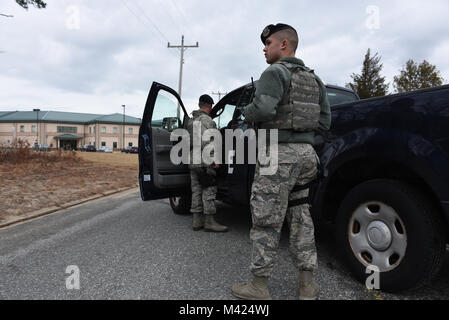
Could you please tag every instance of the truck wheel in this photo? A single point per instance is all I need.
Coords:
(180, 205)
(392, 226)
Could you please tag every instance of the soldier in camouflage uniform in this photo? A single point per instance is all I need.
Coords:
(291, 98)
(203, 176)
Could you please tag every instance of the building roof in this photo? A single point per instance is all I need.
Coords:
(118, 118)
(4, 113)
(66, 117)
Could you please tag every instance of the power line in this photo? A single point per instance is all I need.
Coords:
(183, 48)
(151, 21)
(138, 17)
(186, 24)
(174, 22)
(178, 9)
(186, 21)
(196, 75)
(160, 33)
(145, 24)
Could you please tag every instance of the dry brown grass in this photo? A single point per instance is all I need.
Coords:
(31, 180)
(117, 158)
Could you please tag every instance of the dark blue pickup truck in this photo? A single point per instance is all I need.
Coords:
(384, 183)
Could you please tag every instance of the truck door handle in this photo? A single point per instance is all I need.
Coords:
(146, 143)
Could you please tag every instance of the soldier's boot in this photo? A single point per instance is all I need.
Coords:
(256, 289)
(198, 221)
(211, 225)
(308, 288)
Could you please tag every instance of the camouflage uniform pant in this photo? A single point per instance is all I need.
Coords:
(269, 206)
(203, 199)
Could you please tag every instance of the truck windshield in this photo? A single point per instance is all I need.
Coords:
(336, 96)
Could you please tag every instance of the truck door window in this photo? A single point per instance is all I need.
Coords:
(225, 116)
(167, 114)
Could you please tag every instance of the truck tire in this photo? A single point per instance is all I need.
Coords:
(180, 205)
(391, 225)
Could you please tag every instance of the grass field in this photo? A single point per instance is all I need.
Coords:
(116, 158)
(35, 180)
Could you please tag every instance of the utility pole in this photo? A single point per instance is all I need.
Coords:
(183, 48)
(220, 94)
(37, 126)
(219, 98)
(123, 133)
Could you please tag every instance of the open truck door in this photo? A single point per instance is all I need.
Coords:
(158, 177)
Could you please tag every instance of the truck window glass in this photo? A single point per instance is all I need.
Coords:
(165, 113)
(339, 96)
(225, 117)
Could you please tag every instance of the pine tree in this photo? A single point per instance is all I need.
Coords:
(369, 83)
(37, 3)
(416, 76)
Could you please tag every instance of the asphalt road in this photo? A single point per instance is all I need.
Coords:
(128, 249)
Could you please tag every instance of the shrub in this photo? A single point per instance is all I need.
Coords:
(20, 151)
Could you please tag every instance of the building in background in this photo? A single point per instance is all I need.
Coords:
(69, 130)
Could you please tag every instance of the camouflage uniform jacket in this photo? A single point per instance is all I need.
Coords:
(206, 123)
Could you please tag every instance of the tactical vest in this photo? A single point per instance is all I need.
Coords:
(301, 111)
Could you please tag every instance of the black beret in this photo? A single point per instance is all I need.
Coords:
(272, 29)
(206, 99)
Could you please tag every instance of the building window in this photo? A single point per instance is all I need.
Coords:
(130, 130)
(103, 129)
(33, 128)
(130, 144)
(115, 145)
(90, 129)
(62, 129)
(95, 130)
(103, 144)
(115, 130)
(22, 128)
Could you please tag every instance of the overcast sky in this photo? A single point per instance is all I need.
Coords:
(94, 56)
